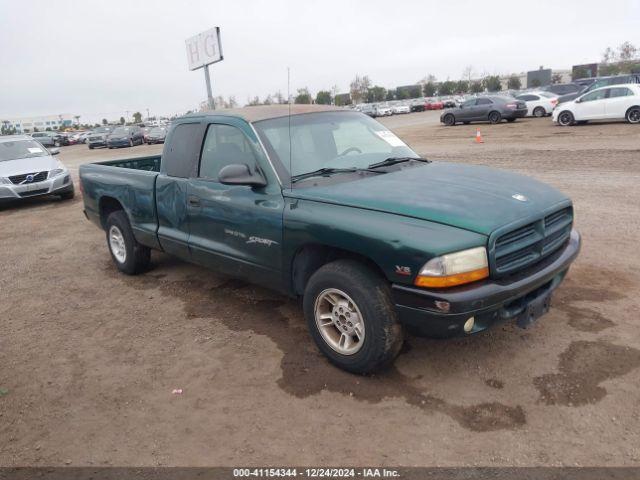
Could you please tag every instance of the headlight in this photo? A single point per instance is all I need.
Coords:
(454, 269)
(55, 172)
(4, 181)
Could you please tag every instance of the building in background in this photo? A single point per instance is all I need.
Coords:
(539, 78)
(38, 123)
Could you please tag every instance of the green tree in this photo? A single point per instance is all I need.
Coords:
(105, 121)
(492, 83)
(137, 117)
(535, 83)
(324, 97)
(476, 87)
(402, 94)
(609, 69)
(579, 73)
(122, 121)
(390, 95)
(447, 88)
(415, 91)
(429, 89)
(514, 83)
(376, 94)
(462, 86)
(556, 78)
(303, 96)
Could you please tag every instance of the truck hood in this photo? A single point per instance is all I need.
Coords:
(475, 198)
(27, 165)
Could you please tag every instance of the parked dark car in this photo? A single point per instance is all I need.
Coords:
(98, 137)
(125, 137)
(492, 109)
(564, 88)
(600, 82)
(46, 139)
(157, 135)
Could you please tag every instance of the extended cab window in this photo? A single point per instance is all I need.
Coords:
(620, 92)
(224, 145)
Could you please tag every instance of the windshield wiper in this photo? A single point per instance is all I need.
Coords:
(394, 160)
(328, 171)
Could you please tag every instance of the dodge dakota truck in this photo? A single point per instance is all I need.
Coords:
(329, 206)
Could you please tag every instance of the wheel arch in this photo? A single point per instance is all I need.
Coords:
(629, 109)
(106, 206)
(312, 256)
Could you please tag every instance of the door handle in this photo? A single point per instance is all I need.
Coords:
(194, 201)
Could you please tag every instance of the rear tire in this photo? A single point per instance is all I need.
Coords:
(344, 291)
(495, 117)
(566, 118)
(539, 112)
(90, 147)
(129, 256)
(633, 115)
(449, 120)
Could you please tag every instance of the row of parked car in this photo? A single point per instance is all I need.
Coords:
(603, 98)
(110, 136)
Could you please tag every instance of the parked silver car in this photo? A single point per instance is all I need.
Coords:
(28, 169)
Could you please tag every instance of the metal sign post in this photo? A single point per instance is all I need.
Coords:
(203, 50)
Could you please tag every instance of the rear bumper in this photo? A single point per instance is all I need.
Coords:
(442, 313)
(516, 113)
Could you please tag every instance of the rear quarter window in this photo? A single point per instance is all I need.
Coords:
(180, 158)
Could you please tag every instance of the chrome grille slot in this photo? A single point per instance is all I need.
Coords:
(530, 243)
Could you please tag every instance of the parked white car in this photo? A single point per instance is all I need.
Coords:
(397, 109)
(382, 111)
(539, 104)
(608, 103)
(28, 169)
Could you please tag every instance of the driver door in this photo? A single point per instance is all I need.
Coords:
(592, 105)
(235, 229)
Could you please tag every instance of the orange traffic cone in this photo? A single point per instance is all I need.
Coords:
(479, 136)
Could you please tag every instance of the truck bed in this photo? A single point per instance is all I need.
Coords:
(131, 183)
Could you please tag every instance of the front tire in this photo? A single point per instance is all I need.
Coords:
(351, 316)
(449, 120)
(633, 115)
(566, 119)
(495, 117)
(129, 256)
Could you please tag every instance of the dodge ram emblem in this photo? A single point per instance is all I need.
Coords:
(519, 197)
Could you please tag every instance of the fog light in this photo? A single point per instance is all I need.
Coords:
(468, 325)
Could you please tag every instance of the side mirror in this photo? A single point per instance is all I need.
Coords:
(240, 174)
(578, 100)
(54, 151)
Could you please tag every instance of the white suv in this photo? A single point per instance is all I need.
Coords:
(615, 102)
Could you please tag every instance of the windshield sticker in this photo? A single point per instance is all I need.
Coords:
(35, 150)
(391, 138)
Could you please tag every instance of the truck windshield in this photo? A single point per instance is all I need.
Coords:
(328, 140)
(21, 149)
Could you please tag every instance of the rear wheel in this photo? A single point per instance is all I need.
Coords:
(129, 256)
(539, 112)
(449, 120)
(495, 117)
(633, 115)
(351, 316)
(565, 118)
(90, 147)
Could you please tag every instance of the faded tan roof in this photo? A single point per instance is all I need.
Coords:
(264, 112)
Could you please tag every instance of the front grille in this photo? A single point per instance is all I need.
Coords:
(32, 193)
(21, 179)
(95, 139)
(531, 243)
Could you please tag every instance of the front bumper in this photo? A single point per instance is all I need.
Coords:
(59, 184)
(442, 313)
(97, 143)
(121, 142)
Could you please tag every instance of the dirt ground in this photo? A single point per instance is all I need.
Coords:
(89, 357)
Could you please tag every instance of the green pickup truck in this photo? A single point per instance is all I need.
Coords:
(329, 205)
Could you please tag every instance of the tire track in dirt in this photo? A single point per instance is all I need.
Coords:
(305, 372)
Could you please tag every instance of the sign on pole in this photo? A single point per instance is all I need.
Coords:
(203, 50)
